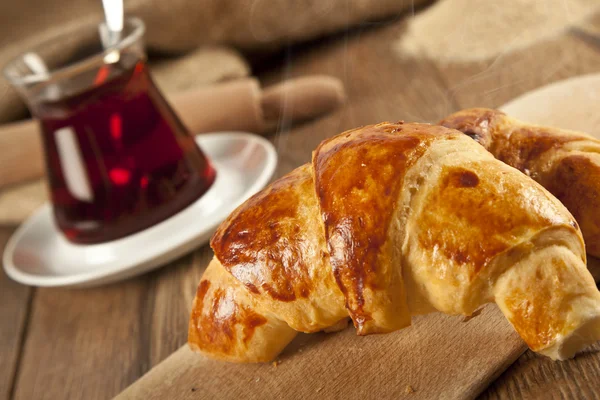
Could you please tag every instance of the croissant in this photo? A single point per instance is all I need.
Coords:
(567, 163)
(390, 221)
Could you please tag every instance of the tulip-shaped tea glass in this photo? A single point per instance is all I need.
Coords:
(118, 158)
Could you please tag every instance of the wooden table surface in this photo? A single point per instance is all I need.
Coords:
(93, 343)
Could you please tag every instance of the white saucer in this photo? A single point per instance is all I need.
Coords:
(37, 254)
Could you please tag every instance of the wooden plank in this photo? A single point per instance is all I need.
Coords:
(86, 344)
(170, 295)
(439, 356)
(537, 377)
(14, 308)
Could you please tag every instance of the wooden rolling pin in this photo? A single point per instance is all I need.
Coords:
(237, 105)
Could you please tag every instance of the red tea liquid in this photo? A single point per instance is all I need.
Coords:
(118, 158)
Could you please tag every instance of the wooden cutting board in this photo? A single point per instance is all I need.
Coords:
(439, 356)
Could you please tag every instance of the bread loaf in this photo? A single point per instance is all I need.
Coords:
(390, 221)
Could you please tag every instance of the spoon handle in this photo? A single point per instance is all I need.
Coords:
(113, 12)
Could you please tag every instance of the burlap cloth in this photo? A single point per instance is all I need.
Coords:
(462, 31)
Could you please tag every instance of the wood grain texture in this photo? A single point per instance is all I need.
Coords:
(84, 343)
(92, 343)
(439, 356)
(535, 376)
(14, 307)
(170, 296)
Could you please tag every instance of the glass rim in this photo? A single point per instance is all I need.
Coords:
(33, 78)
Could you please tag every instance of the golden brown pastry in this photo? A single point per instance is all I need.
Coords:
(567, 163)
(390, 221)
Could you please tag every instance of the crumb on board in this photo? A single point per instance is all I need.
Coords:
(409, 389)
(319, 389)
(276, 363)
(475, 313)
(257, 379)
(194, 389)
